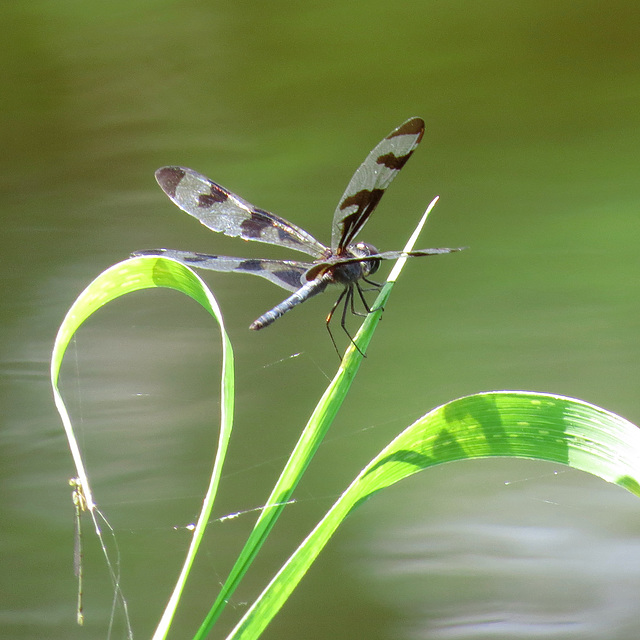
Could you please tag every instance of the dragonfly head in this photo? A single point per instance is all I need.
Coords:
(364, 249)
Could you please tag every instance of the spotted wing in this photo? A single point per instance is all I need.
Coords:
(285, 273)
(370, 181)
(223, 211)
(394, 255)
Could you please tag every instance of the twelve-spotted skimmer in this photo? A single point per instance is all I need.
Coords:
(344, 263)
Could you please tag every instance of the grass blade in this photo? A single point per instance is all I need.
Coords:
(497, 424)
(309, 441)
(121, 279)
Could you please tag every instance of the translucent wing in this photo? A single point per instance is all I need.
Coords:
(385, 255)
(370, 181)
(285, 273)
(221, 210)
(393, 255)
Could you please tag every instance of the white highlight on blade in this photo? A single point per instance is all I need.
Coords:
(399, 265)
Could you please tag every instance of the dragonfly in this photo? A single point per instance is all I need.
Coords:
(345, 262)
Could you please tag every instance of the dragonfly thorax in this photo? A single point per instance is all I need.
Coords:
(349, 272)
(346, 267)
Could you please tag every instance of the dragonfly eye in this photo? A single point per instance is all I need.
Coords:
(366, 249)
(374, 266)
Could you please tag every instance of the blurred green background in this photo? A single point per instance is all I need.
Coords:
(533, 131)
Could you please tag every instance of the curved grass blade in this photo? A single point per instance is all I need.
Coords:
(516, 424)
(310, 439)
(121, 279)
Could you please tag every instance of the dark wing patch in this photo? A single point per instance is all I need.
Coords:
(412, 127)
(285, 273)
(370, 181)
(364, 202)
(259, 223)
(394, 255)
(217, 195)
(169, 178)
(223, 211)
(391, 161)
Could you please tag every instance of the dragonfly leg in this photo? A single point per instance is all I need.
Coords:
(346, 298)
(373, 283)
(348, 303)
(352, 301)
(377, 287)
(365, 304)
(330, 316)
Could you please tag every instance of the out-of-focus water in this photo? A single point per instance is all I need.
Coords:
(533, 131)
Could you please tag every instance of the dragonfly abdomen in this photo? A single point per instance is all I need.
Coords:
(304, 293)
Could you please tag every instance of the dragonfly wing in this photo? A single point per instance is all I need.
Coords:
(221, 210)
(370, 181)
(384, 255)
(285, 273)
(393, 255)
